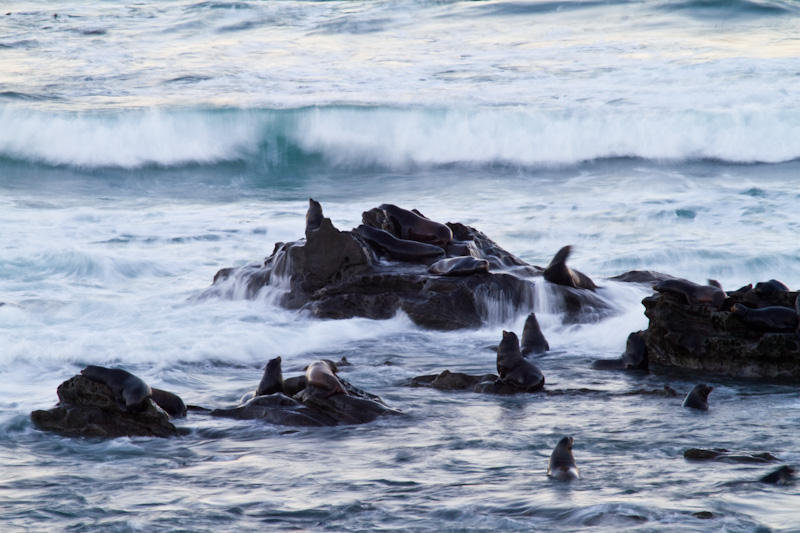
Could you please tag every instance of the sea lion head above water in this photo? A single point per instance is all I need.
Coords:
(562, 463)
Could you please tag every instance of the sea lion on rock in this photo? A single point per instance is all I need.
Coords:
(399, 249)
(131, 392)
(514, 369)
(559, 273)
(321, 374)
(774, 319)
(314, 215)
(533, 341)
(169, 402)
(459, 266)
(272, 381)
(694, 293)
(773, 285)
(782, 476)
(410, 225)
(634, 358)
(562, 463)
(698, 397)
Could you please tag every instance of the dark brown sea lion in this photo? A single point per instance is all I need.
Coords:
(400, 249)
(410, 225)
(131, 392)
(782, 476)
(698, 397)
(634, 358)
(169, 402)
(514, 369)
(320, 374)
(459, 266)
(272, 381)
(533, 341)
(773, 319)
(314, 215)
(559, 273)
(695, 294)
(562, 463)
(772, 285)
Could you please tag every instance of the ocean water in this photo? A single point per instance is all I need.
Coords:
(145, 146)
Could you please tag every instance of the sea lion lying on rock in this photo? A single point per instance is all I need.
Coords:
(695, 294)
(775, 319)
(131, 392)
(384, 243)
(412, 226)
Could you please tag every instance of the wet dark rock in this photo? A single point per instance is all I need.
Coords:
(649, 277)
(87, 408)
(276, 409)
(710, 339)
(450, 381)
(666, 391)
(704, 515)
(782, 476)
(721, 454)
(340, 274)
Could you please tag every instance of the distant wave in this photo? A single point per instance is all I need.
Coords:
(395, 138)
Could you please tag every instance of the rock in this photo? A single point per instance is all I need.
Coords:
(88, 409)
(703, 338)
(276, 409)
(338, 274)
(344, 408)
(721, 454)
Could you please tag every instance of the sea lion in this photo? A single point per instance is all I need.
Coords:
(562, 463)
(320, 374)
(775, 319)
(169, 402)
(533, 341)
(314, 215)
(694, 293)
(635, 356)
(459, 266)
(559, 273)
(410, 225)
(514, 369)
(272, 381)
(782, 476)
(130, 392)
(698, 397)
(773, 285)
(399, 249)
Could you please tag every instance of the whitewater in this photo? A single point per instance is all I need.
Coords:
(143, 147)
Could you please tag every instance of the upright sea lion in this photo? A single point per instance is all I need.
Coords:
(320, 374)
(772, 285)
(272, 381)
(410, 225)
(782, 476)
(314, 215)
(635, 356)
(169, 402)
(514, 369)
(559, 273)
(130, 392)
(695, 294)
(774, 319)
(459, 266)
(399, 249)
(562, 463)
(533, 341)
(698, 397)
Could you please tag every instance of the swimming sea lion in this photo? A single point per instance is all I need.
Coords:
(772, 285)
(562, 463)
(533, 341)
(410, 225)
(169, 402)
(459, 266)
(272, 381)
(399, 249)
(320, 374)
(559, 273)
(514, 369)
(130, 392)
(782, 476)
(694, 293)
(698, 397)
(314, 215)
(634, 358)
(775, 319)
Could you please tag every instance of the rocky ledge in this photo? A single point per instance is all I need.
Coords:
(87, 408)
(747, 333)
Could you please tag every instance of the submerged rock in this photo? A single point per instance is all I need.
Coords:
(87, 408)
(721, 454)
